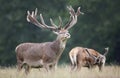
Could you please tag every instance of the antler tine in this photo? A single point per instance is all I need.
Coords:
(46, 26)
(79, 12)
(28, 14)
(73, 17)
(32, 18)
(33, 14)
(36, 10)
(71, 10)
(60, 22)
(70, 20)
(42, 20)
(52, 23)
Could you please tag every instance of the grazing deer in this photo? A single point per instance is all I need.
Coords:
(85, 57)
(45, 55)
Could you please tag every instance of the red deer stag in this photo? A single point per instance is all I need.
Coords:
(85, 57)
(45, 55)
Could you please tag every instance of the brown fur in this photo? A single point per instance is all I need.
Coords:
(81, 58)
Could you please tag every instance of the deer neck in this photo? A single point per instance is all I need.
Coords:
(62, 42)
(59, 45)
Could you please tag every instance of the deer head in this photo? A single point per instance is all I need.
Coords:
(61, 31)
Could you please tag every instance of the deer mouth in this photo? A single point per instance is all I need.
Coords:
(67, 37)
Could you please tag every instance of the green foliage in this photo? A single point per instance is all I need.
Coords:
(97, 28)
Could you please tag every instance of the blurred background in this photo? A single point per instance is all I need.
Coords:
(98, 28)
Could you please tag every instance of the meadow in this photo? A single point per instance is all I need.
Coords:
(63, 71)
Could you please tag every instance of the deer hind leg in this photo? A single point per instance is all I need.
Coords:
(27, 68)
(79, 65)
(20, 66)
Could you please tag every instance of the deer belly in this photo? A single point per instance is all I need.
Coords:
(38, 63)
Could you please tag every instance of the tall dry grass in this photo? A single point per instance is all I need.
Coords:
(62, 72)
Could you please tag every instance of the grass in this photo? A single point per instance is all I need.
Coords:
(62, 72)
